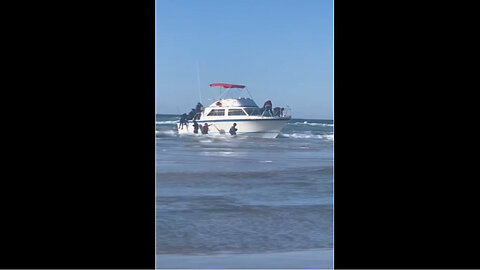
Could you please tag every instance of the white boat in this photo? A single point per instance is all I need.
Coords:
(249, 118)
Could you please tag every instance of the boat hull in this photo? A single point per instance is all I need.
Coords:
(263, 128)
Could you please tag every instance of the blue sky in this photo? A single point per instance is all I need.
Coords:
(281, 50)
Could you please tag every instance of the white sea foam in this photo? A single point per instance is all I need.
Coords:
(311, 124)
(166, 133)
(328, 137)
(220, 153)
(166, 122)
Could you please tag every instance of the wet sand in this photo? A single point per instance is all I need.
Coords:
(310, 259)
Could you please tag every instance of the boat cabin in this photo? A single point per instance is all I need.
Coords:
(232, 108)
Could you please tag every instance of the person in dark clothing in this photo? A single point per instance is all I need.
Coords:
(276, 111)
(267, 106)
(198, 110)
(195, 126)
(191, 114)
(281, 112)
(233, 129)
(199, 107)
(205, 129)
(183, 120)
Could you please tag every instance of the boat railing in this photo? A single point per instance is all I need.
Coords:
(269, 113)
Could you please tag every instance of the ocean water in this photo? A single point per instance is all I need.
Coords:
(229, 197)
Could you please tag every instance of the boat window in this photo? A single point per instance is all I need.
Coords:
(253, 111)
(217, 112)
(235, 112)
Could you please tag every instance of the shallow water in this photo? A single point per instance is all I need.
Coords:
(233, 195)
(308, 259)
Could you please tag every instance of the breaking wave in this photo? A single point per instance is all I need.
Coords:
(328, 137)
(174, 133)
(166, 133)
(166, 122)
(311, 124)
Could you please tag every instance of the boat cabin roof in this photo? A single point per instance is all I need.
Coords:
(234, 102)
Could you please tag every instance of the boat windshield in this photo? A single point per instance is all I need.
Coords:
(235, 112)
(253, 111)
(217, 112)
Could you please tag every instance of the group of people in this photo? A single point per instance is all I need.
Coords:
(204, 128)
(277, 111)
(194, 114)
(267, 107)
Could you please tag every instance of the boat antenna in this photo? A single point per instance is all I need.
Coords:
(198, 83)
(249, 93)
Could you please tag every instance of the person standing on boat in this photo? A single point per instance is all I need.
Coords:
(198, 110)
(191, 114)
(276, 111)
(267, 106)
(195, 126)
(233, 129)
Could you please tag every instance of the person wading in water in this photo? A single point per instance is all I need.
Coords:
(233, 129)
(205, 128)
(195, 127)
(183, 120)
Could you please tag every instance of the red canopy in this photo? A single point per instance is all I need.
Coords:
(226, 85)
